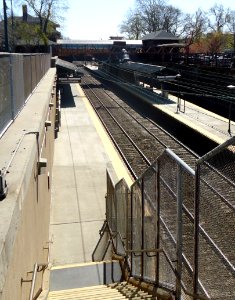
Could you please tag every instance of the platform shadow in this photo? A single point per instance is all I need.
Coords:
(67, 98)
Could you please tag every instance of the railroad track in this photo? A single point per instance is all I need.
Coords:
(206, 89)
(140, 141)
(145, 133)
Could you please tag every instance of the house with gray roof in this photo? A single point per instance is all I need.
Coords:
(23, 32)
(161, 45)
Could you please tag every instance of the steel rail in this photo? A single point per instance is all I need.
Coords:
(123, 130)
(148, 163)
(177, 142)
(157, 126)
(133, 173)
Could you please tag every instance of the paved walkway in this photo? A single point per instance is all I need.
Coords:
(83, 152)
(207, 123)
(199, 119)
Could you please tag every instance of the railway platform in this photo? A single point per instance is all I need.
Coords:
(205, 122)
(212, 126)
(83, 152)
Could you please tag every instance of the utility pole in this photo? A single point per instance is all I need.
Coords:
(5, 26)
(12, 29)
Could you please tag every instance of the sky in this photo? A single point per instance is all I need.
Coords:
(100, 19)
(95, 19)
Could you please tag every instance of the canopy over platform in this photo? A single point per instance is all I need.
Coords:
(67, 71)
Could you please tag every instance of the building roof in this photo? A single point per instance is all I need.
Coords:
(142, 68)
(97, 42)
(173, 45)
(30, 19)
(160, 35)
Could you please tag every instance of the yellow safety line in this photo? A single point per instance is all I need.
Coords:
(191, 124)
(200, 109)
(119, 167)
(79, 265)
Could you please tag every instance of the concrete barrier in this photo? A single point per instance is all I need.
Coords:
(26, 156)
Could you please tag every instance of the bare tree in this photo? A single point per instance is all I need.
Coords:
(231, 25)
(172, 19)
(157, 15)
(133, 26)
(219, 17)
(215, 42)
(194, 26)
(47, 11)
(231, 21)
(152, 14)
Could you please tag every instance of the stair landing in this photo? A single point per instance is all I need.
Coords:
(84, 275)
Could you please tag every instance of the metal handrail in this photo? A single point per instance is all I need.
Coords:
(161, 250)
(35, 271)
(155, 251)
(144, 250)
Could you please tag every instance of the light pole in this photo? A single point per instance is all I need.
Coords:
(231, 87)
(178, 99)
(12, 28)
(5, 26)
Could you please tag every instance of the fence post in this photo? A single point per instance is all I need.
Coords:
(179, 240)
(11, 89)
(142, 228)
(131, 228)
(158, 220)
(196, 228)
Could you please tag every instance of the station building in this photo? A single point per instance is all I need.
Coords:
(158, 46)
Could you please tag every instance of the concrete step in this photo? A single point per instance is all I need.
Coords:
(130, 291)
(100, 292)
(92, 281)
(84, 275)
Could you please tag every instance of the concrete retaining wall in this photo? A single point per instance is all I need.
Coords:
(19, 75)
(24, 213)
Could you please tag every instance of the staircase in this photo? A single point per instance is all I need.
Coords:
(95, 280)
(122, 290)
(101, 292)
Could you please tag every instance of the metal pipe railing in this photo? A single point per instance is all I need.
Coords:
(139, 206)
(35, 271)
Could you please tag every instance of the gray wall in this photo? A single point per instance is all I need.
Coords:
(19, 75)
(25, 212)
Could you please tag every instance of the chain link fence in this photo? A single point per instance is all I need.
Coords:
(215, 227)
(176, 226)
(19, 75)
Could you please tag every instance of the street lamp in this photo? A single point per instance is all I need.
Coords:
(231, 87)
(178, 100)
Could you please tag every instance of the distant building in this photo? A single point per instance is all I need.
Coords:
(117, 38)
(23, 31)
(88, 49)
(161, 45)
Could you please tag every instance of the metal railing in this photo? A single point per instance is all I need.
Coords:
(38, 267)
(19, 75)
(215, 222)
(160, 225)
